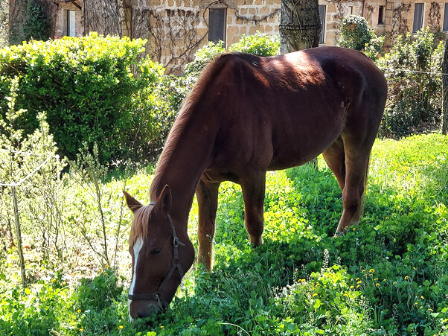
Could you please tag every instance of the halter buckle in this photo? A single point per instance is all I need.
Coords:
(177, 242)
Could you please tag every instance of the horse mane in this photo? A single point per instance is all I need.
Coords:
(139, 226)
(210, 71)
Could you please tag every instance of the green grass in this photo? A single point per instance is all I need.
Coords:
(388, 276)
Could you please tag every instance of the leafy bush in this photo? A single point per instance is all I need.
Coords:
(203, 56)
(374, 49)
(354, 32)
(258, 44)
(98, 293)
(414, 99)
(86, 87)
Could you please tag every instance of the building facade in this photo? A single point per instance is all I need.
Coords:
(175, 29)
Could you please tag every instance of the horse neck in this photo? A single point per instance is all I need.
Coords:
(185, 157)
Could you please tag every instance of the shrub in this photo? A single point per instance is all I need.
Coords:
(98, 293)
(258, 44)
(354, 32)
(203, 56)
(414, 100)
(86, 87)
(374, 49)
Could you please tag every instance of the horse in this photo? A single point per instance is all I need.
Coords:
(247, 115)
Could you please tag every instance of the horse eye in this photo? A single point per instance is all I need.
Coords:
(155, 251)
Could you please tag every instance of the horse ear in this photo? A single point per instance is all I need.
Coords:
(132, 203)
(163, 203)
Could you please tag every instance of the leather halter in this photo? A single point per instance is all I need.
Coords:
(174, 265)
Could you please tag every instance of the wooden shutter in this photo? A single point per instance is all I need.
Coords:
(418, 17)
(322, 15)
(217, 25)
(445, 18)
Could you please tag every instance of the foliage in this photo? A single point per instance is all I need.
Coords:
(374, 49)
(37, 23)
(87, 89)
(354, 32)
(414, 100)
(203, 56)
(20, 156)
(258, 44)
(388, 276)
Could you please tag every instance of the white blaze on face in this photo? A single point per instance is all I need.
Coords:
(137, 248)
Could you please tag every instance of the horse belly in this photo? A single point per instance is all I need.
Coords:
(297, 145)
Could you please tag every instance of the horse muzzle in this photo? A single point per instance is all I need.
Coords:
(142, 308)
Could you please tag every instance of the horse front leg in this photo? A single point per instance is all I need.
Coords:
(253, 186)
(207, 195)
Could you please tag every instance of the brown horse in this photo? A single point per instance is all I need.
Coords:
(247, 115)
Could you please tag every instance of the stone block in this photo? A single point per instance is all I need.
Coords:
(264, 10)
(232, 30)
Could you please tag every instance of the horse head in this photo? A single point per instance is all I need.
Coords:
(160, 255)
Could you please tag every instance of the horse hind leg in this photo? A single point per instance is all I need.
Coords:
(335, 158)
(207, 196)
(356, 165)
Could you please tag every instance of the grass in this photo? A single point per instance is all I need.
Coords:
(388, 276)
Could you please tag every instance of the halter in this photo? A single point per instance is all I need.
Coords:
(174, 265)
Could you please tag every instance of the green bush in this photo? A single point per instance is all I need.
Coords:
(98, 293)
(414, 99)
(85, 85)
(354, 32)
(258, 44)
(203, 56)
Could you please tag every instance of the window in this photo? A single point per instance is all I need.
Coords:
(381, 15)
(217, 25)
(418, 17)
(445, 18)
(322, 15)
(350, 10)
(71, 23)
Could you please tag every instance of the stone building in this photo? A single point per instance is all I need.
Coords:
(175, 29)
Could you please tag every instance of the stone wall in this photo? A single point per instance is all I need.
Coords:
(175, 29)
(244, 17)
(60, 20)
